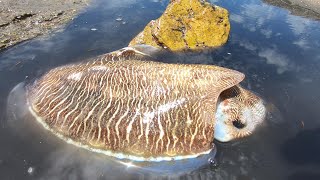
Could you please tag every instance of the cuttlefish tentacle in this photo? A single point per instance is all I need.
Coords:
(128, 108)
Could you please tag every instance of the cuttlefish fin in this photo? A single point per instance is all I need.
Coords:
(217, 80)
(147, 50)
(139, 52)
(224, 78)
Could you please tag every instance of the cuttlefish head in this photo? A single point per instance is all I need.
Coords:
(239, 112)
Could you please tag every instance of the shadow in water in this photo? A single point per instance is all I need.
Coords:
(304, 148)
(304, 175)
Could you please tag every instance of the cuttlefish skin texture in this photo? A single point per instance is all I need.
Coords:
(239, 112)
(142, 110)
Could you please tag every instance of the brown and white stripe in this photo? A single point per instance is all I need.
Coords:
(143, 109)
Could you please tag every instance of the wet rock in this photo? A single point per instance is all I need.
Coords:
(305, 8)
(187, 24)
(21, 20)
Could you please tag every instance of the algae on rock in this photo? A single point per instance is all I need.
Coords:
(187, 24)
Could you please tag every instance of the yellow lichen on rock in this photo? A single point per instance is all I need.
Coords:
(187, 24)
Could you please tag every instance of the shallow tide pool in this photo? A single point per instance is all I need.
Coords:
(278, 52)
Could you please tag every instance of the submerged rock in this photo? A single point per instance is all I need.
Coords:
(187, 24)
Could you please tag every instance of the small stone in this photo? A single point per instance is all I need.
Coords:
(60, 13)
(7, 40)
(30, 170)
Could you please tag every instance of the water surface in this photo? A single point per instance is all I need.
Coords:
(278, 52)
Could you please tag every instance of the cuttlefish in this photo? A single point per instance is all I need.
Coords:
(123, 105)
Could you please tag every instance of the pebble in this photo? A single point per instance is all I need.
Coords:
(30, 170)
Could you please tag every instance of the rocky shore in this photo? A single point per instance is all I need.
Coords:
(313, 5)
(305, 8)
(21, 20)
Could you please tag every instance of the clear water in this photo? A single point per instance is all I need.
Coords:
(278, 52)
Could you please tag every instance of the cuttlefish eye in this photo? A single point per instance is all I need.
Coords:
(239, 112)
(237, 123)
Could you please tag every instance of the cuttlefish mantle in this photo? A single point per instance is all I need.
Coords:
(121, 105)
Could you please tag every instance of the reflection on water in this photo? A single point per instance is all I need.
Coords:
(278, 52)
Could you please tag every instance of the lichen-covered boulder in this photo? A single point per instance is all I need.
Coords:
(187, 24)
